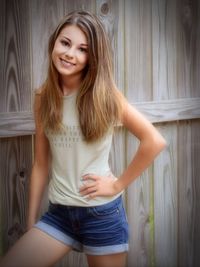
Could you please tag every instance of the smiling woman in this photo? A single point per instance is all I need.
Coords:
(76, 110)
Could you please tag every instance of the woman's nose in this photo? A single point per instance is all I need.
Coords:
(70, 52)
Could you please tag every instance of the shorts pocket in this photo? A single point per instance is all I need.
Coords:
(105, 211)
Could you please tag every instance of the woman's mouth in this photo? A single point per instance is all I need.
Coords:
(67, 63)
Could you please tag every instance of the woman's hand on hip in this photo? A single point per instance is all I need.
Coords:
(95, 185)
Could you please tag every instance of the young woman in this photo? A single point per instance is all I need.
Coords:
(76, 110)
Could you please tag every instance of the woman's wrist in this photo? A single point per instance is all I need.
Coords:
(118, 185)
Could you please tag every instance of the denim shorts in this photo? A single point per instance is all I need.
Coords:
(99, 230)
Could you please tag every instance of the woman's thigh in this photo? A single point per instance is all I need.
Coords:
(34, 249)
(113, 260)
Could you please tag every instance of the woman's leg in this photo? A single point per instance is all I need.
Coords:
(35, 249)
(114, 260)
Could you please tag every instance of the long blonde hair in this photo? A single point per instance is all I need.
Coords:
(98, 100)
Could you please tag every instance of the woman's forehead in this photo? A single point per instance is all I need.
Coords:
(74, 33)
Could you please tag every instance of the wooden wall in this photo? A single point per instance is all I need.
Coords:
(157, 66)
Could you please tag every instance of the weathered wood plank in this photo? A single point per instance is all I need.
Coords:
(22, 123)
(164, 71)
(165, 200)
(188, 42)
(16, 156)
(170, 110)
(188, 63)
(15, 57)
(16, 124)
(139, 213)
(186, 196)
(195, 144)
(15, 162)
(138, 50)
(196, 62)
(164, 52)
(138, 87)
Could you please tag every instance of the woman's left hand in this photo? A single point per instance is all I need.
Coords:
(95, 185)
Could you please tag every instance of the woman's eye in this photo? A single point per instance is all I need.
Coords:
(65, 43)
(83, 49)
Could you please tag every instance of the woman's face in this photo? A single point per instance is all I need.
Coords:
(70, 53)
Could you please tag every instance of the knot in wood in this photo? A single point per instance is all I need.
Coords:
(22, 174)
(105, 8)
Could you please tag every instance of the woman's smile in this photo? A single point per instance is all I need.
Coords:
(66, 63)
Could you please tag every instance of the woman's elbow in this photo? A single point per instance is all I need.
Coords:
(159, 143)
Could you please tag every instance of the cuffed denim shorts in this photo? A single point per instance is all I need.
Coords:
(99, 230)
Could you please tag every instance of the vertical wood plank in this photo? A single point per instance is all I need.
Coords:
(165, 200)
(138, 210)
(15, 56)
(2, 30)
(16, 156)
(188, 27)
(164, 49)
(164, 69)
(188, 41)
(197, 53)
(138, 87)
(138, 55)
(186, 196)
(196, 183)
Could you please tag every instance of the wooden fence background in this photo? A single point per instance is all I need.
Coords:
(156, 47)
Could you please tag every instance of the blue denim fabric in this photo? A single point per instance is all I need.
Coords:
(98, 230)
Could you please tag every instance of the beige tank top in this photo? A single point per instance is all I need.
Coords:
(72, 158)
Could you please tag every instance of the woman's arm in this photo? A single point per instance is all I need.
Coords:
(151, 144)
(40, 169)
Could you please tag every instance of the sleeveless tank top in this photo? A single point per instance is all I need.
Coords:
(72, 157)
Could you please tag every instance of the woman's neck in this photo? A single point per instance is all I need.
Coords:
(70, 85)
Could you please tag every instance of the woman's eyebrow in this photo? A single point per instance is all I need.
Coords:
(66, 38)
(71, 41)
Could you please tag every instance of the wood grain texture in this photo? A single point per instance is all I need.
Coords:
(79, 5)
(187, 49)
(16, 124)
(170, 110)
(188, 59)
(165, 200)
(15, 153)
(15, 162)
(195, 135)
(186, 196)
(15, 57)
(164, 67)
(22, 123)
(138, 87)
(137, 49)
(164, 71)
(138, 211)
